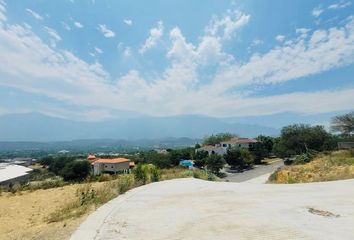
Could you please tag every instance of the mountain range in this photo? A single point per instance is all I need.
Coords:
(42, 128)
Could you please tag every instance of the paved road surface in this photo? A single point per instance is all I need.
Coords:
(192, 209)
(257, 171)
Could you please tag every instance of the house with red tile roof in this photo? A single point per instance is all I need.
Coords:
(111, 165)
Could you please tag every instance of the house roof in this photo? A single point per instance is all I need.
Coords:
(91, 157)
(239, 141)
(8, 172)
(112, 160)
(208, 147)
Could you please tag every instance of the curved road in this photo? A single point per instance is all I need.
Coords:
(257, 171)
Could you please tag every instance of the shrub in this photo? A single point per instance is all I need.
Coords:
(104, 177)
(146, 173)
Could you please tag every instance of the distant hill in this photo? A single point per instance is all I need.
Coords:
(39, 127)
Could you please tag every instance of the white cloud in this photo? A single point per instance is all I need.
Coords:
(280, 38)
(316, 12)
(257, 42)
(303, 32)
(78, 24)
(207, 52)
(129, 22)
(2, 11)
(108, 33)
(325, 49)
(226, 25)
(66, 26)
(54, 36)
(98, 50)
(339, 5)
(32, 66)
(155, 34)
(34, 14)
(127, 52)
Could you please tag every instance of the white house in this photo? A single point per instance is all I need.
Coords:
(114, 165)
(221, 148)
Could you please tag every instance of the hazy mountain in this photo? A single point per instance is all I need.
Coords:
(38, 127)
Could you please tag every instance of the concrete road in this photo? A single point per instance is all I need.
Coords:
(257, 171)
(195, 209)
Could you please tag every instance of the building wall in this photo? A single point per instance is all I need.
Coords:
(99, 168)
(20, 179)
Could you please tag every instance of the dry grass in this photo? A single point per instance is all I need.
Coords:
(56, 212)
(24, 215)
(337, 165)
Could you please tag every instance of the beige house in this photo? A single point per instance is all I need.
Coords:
(114, 165)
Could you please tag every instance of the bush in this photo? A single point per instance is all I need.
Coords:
(146, 173)
(104, 177)
(305, 157)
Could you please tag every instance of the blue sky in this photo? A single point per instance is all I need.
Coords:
(95, 60)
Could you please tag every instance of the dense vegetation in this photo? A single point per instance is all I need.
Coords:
(69, 167)
(337, 165)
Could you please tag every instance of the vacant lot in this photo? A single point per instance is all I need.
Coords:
(195, 209)
(24, 215)
(337, 165)
(55, 213)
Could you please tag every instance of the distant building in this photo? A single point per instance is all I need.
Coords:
(238, 143)
(11, 174)
(63, 151)
(114, 165)
(345, 145)
(221, 149)
(23, 161)
(162, 151)
(212, 149)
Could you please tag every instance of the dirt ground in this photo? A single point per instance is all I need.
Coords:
(23, 215)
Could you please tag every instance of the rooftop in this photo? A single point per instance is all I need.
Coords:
(112, 160)
(8, 172)
(239, 140)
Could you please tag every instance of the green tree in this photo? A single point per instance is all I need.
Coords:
(299, 138)
(259, 151)
(217, 138)
(75, 170)
(239, 157)
(179, 154)
(343, 124)
(214, 163)
(200, 157)
(233, 157)
(160, 160)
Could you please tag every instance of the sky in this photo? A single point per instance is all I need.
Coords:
(97, 60)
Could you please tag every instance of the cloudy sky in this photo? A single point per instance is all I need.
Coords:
(103, 59)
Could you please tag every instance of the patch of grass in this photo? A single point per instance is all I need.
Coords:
(88, 197)
(180, 172)
(338, 165)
